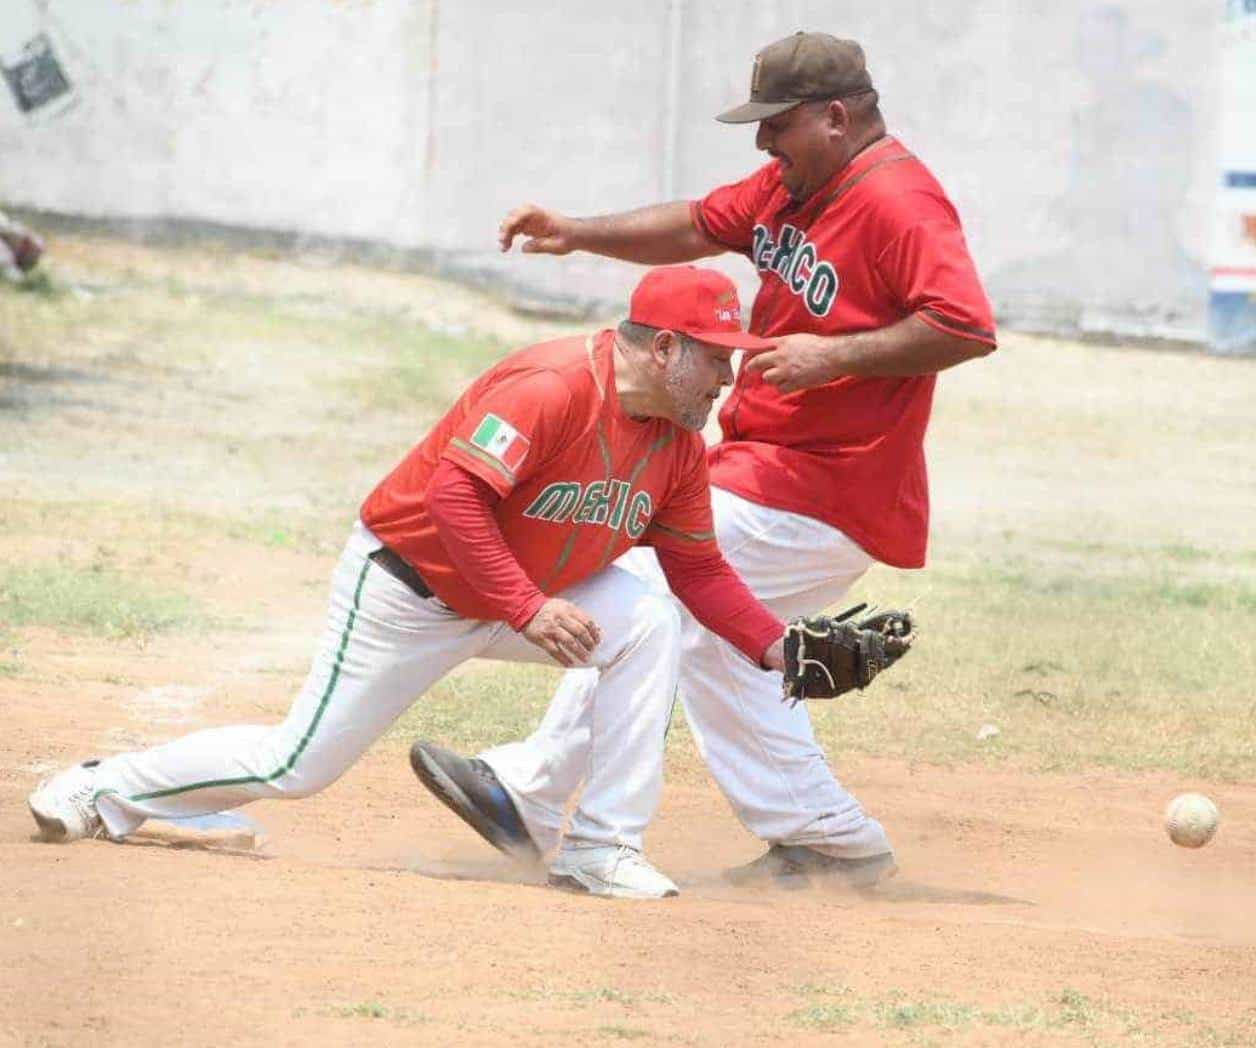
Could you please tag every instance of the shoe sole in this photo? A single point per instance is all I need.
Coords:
(566, 882)
(452, 796)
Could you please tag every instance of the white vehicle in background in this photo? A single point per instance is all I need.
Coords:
(1232, 301)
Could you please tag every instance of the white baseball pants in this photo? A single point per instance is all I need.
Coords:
(761, 752)
(382, 648)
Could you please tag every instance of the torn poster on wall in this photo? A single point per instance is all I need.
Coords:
(36, 78)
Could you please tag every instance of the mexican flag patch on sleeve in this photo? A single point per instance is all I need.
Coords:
(501, 440)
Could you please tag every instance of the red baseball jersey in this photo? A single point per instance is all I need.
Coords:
(879, 242)
(580, 482)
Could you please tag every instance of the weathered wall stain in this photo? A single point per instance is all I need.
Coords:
(1075, 137)
(1122, 207)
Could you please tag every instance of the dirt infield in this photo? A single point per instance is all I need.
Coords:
(1028, 910)
(177, 497)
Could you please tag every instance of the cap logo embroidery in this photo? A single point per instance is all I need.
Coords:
(755, 75)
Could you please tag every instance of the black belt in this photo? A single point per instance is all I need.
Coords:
(401, 571)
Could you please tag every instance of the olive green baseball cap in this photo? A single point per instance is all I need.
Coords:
(804, 67)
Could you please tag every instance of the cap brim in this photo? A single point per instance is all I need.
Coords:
(734, 340)
(753, 112)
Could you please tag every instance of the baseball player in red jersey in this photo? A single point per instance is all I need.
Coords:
(868, 290)
(493, 538)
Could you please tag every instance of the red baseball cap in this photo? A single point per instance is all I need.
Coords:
(700, 303)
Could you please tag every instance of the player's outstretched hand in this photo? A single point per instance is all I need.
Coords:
(564, 632)
(548, 233)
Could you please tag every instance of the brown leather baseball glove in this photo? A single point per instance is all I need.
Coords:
(827, 656)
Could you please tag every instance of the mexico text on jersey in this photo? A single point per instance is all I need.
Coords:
(609, 502)
(793, 258)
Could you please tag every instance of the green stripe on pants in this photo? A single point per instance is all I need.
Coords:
(288, 764)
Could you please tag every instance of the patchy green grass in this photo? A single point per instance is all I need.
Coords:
(1067, 1016)
(361, 1010)
(481, 704)
(607, 994)
(596, 995)
(375, 1010)
(409, 367)
(89, 598)
(113, 525)
(1136, 673)
(901, 1015)
(1136, 670)
(825, 1017)
(427, 369)
(10, 653)
(278, 530)
(37, 282)
(622, 1033)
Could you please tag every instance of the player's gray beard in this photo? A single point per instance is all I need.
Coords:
(690, 407)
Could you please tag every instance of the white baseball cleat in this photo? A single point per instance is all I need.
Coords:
(609, 869)
(64, 805)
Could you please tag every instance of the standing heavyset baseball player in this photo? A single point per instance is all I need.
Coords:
(493, 538)
(868, 290)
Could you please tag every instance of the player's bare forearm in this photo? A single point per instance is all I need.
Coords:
(661, 234)
(909, 347)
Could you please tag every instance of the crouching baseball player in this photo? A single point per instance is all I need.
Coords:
(493, 538)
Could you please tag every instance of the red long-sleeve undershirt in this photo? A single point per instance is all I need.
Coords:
(461, 506)
(706, 584)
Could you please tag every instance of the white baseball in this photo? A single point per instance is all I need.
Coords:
(1191, 820)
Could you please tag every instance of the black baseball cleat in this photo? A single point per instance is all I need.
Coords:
(471, 790)
(796, 865)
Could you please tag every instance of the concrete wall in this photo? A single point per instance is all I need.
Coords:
(1077, 138)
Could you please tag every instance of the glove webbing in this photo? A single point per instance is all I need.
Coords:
(804, 631)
